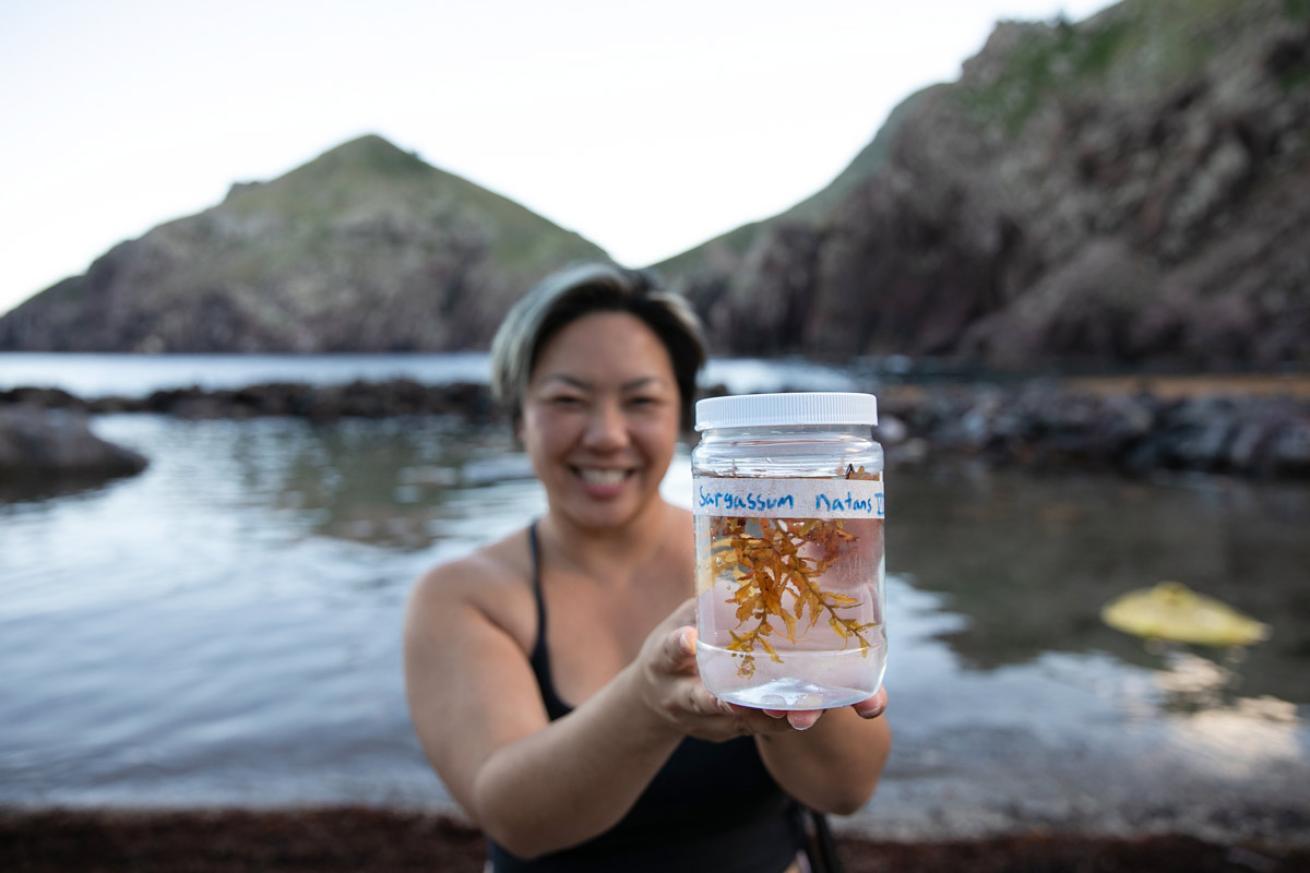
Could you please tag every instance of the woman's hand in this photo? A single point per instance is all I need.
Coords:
(671, 687)
(804, 719)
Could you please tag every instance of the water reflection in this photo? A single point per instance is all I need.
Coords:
(225, 628)
(392, 484)
(1206, 715)
(1032, 560)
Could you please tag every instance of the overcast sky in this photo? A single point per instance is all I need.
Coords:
(647, 127)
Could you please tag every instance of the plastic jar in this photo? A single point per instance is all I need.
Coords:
(788, 500)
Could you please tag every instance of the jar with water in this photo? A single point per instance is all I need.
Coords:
(788, 501)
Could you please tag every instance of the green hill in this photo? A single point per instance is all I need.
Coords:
(364, 248)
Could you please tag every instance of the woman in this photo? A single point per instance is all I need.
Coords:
(552, 675)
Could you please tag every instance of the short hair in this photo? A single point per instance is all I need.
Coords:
(585, 289)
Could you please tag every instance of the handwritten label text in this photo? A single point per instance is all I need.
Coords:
(789, 498)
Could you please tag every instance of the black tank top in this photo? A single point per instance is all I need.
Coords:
(713, 807)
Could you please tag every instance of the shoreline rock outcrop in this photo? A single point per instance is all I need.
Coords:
(1036, 425)
(44, 450)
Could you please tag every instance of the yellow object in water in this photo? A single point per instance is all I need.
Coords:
(1172, 611)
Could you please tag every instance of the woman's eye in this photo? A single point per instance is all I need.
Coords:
(642, 401)
(564, 400)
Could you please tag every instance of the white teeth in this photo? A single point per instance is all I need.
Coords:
(602, 477)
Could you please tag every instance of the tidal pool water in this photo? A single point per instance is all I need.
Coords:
(225, 629)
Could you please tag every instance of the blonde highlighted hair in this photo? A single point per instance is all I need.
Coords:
(581, 290)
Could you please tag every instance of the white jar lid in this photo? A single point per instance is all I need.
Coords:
(773, 410)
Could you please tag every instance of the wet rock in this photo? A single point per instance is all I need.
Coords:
(891, 430)
(1249, 443)
(1040, 424)
(1199, 432)
(1290, 450)
(46, 451)
(45, 398)
(316, 402)
(1048, 427)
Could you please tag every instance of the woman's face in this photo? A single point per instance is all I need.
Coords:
(600, 418)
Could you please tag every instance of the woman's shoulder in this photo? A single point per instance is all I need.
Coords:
(682, 516)
(493, 579)
(678, 533)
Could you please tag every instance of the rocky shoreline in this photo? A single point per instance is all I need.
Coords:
(54, 451)
(359, 838)
(358, 399)
(1041, 425)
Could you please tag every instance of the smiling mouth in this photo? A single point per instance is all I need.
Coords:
(594, 476)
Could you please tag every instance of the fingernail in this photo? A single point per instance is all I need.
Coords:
(874, 714)
(802, 723)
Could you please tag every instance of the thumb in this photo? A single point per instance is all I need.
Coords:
(677, 651)
(684, 614)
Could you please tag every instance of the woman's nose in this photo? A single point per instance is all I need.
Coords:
(606, 428)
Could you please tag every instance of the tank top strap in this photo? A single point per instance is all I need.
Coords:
(538, 647)
(539, 660)
(711, 806)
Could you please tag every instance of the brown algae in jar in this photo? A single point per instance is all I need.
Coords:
(789, 505)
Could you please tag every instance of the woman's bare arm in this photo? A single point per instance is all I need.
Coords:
(833, 765)
(534, 785)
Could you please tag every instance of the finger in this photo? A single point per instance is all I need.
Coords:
(721, 706)
(872, 707)
(803, 719)
(678, 651)
(708, 704)
(775, 713)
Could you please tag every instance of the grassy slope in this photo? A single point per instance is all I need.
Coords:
(1134, 50)
(811, 210)
(369, 175)
(1138, 45)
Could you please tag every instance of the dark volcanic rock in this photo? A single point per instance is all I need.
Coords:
(357, 399)
(45, 450)
(1043, 426)
(1038, 424)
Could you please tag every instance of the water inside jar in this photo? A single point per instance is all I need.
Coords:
(789, 611)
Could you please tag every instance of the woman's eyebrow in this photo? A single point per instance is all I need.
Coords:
(572, 381)
(642, 382)
(583, 385)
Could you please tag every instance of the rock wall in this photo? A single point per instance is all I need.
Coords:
(1131, 189)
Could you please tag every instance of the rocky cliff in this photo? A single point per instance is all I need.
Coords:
(366, 248)
(1134, 188)
(1131, 189)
